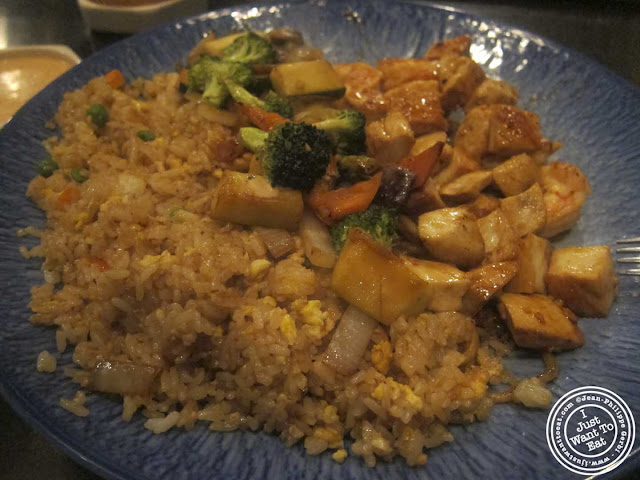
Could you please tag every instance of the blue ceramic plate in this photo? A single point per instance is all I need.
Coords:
(595, 114)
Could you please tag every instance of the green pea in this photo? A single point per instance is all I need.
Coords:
(146, 135)
(99, 114)
(46, 167)
(79, 175)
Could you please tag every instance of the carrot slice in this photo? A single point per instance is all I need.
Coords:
(333, 205)
(261, 118)
(423, 164)
(68, 196)
(184, 76)
(115, 79)
(101, 264)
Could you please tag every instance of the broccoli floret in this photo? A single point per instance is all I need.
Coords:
(379, 222)
(356, 168)
(215, 92)
(277, 104)
(250, 48)
(208, 75)
(346, 130)
(272, 101)
(293, 155)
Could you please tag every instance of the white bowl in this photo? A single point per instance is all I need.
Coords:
(25, 70)
(60, 51)
(133, 19)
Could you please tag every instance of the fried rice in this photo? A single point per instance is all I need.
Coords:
(137, 273)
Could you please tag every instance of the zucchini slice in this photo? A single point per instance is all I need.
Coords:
(251, 200)
(315, 78)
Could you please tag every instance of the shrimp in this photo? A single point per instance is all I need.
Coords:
(565, 191)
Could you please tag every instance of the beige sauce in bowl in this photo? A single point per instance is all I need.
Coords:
(23, 74)
(128, 3)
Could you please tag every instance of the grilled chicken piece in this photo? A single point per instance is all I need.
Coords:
(363, 93)
(398, 71)
(427, 141)
(538, 322)
(584, 279)
(483, 205)
(457, 46)
(525, 211)
(533, 257)
(500, 240)
(498, 130)
(425, 199)
(452, 235)
(419, 101)
(445, 284)
(516, 175)
(459, 78)
(485, 282)
(491, 92)
(565, 191)
(389, 139)
(466, 187)
(454, 166)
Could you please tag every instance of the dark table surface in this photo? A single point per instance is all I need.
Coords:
(606, 30)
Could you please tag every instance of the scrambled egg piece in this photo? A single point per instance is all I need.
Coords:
(258, 267)
(329, 435)
(217, 331)
(313, 318)
(269, 301)
(164, 259)
(401, 400)
(81, 219)
(288, 329)
(339, 455)
(381, 354)
(330, 414)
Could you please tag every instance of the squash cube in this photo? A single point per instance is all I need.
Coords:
(251, 200)
(315, 78)
(584, 279)
(370, 277)
(538, 322)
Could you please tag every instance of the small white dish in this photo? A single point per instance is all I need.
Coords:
(127, 19)
(60, 51)
(25, 70)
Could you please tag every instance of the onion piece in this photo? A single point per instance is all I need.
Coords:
(224, 117)
(279, 242)
(317, 241)
(122, 378)
(350, 340)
